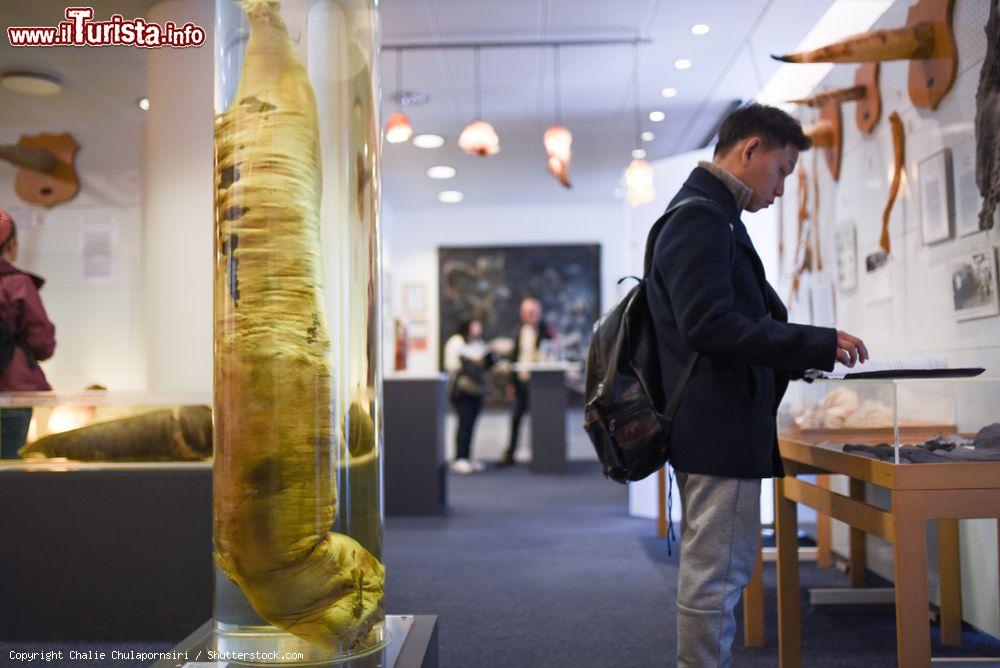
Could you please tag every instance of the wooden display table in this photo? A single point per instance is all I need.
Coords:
(920, 492)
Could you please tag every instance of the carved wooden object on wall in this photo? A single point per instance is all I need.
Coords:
(899, 157)
(927, 41)
(47, 176)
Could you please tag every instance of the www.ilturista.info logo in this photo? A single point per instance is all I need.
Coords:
(80, 30)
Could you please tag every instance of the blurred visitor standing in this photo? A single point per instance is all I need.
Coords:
(467, 360)
(26, 336)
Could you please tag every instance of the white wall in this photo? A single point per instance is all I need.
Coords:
(412, 237)
(918, 318)
(97, 322)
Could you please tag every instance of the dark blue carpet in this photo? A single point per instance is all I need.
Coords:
(532, 570)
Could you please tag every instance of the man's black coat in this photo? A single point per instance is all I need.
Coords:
(707, 292)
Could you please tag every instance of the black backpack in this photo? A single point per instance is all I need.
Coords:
(623, 387)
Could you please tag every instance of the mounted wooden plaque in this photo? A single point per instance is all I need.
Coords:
(869, 107)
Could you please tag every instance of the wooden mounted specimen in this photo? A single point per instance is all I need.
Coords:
(899, 156)
(47, 176)
(827, 133)
(865, 91)
(927, 41)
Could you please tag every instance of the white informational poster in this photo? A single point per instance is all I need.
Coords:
(98, 242)
(878, 277)
(847, 256)
(823, 312)
(968, 202)
(935, 205)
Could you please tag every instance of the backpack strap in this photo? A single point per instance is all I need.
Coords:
(654, 232)
(682, 381)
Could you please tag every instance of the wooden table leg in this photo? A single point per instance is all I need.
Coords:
(786, 528)
(824, 557)
(661, 502)
(858, 569)
(913, 634)
(950, 574)
(753, 605)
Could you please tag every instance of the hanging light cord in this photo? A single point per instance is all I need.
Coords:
(399, 79)
(479, 89)
(557, 75)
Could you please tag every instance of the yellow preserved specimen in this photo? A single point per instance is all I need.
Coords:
(277, 452)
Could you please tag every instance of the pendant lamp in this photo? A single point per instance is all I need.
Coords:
(638, 174)
(397, 127)
(479, 137)
(558, 139)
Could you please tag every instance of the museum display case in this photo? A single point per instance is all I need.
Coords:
(99, 426)
(297, 483)
(902, 420)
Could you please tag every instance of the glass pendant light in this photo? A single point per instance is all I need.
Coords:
(479, 137)
(558, 139)
(397, 127)
(638, 174)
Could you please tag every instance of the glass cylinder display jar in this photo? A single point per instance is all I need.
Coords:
(297, 433)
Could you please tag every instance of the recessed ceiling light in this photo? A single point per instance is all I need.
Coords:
(669, 92)
(647, 136)
(143, 103)
(428, 141)
(450, 196)
(657, 116)
(31, 83)
(699, 29)
(638, 153)
(441, 172)
(682, 63)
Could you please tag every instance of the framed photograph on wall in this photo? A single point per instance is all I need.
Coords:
(968, 201)
(935, 198)
(847, 256)
(974, 284)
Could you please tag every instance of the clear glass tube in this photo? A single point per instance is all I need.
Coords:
(297, 474)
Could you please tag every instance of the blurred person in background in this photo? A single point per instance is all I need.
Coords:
(26, 336)
(467, 360)
(532, 333)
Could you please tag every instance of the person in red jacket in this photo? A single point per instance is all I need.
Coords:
(34, 338)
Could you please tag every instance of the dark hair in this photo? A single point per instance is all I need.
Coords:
(775, 128)
(464, 326)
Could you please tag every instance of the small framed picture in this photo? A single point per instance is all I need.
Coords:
(974, 284)
(968, 201)
(935, 198)
(847, 256)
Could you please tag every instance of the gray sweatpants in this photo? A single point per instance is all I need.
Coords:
(720, 533)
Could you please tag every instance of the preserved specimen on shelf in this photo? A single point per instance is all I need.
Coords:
(178, 434)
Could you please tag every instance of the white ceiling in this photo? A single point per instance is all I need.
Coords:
(596, 86)
(102, 84)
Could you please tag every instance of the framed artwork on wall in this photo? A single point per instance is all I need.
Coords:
(847, 256)
(968, 201)
(974, 284)
(488, 283)
(935, 198)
